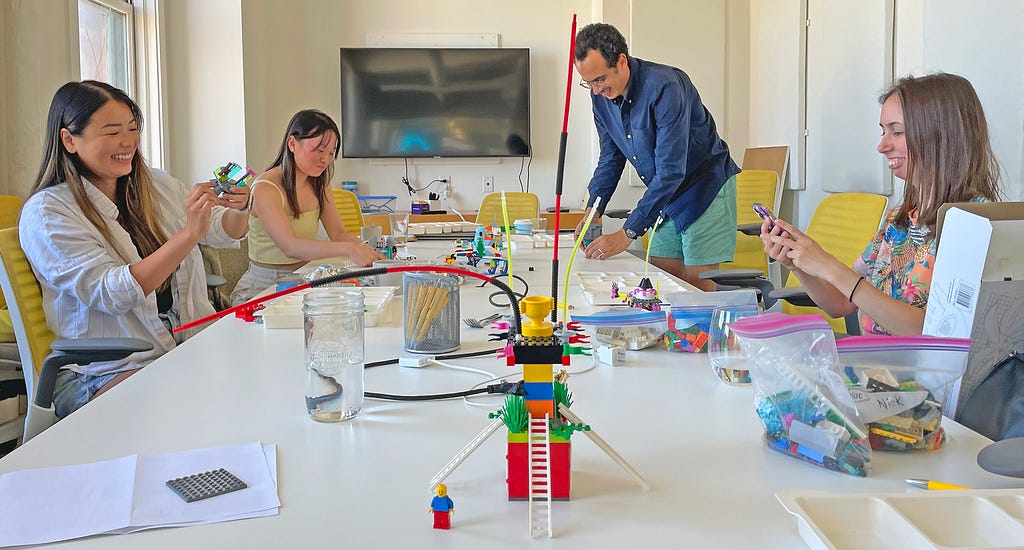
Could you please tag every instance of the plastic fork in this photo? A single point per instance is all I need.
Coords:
(481, 323)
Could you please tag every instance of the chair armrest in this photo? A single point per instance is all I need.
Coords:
(618, 213)
(81, 351)
(726, 275)
(752, 229)
(794, 295)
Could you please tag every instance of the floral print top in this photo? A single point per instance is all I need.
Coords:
(899, 262)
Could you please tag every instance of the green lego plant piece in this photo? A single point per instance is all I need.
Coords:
(561, 394)
(513, 414)
(564, 429)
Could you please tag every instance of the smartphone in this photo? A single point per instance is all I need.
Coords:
(764, 213)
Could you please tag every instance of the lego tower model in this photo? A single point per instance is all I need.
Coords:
(539, 421)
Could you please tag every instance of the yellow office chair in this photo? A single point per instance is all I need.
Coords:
(519, 205)
(13, 388)
(843, 224)
(349, 209)
(41, 356)
(753, 186)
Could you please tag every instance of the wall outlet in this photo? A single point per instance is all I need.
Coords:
(488, 184)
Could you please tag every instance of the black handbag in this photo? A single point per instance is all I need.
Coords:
(995, 408)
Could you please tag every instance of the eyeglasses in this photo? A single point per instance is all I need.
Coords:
(596, 83)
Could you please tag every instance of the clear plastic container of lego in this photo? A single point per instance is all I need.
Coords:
(690, 317)
(900, 386)
(632, 329)
(689, 328)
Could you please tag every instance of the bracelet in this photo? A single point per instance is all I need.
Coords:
(857, 284)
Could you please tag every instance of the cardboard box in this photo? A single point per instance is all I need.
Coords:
(977, 287)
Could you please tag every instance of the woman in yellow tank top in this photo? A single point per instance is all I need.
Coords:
(290, 201)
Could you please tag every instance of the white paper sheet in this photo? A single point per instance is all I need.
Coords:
(155, 504)
(129, 494)
(52, 504)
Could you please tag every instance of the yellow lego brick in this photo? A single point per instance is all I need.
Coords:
(893, 435)
(537, 373)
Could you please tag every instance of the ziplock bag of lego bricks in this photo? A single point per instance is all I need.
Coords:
(630, 328)
(900, 385)
(799, 393)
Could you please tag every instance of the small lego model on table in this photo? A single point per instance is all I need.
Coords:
(232, 175)
(442, 507)
(644, 296)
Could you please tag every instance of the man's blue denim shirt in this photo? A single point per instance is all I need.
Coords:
(661, 126)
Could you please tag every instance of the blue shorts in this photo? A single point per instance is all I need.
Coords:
(711, 239)
(73, 390)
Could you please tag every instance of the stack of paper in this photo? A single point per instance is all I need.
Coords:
(129, 494)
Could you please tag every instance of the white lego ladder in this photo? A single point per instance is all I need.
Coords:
(465, 452)
(539, 453)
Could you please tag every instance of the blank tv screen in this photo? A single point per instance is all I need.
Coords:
(435, 102)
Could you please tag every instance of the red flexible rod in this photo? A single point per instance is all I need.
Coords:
(341, 276)
(561, 171)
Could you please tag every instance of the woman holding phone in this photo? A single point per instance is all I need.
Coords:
(935, 137)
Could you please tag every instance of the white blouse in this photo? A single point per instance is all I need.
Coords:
(88, 290)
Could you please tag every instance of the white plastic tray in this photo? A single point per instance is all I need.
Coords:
(908, 521)
(286, 311)
(597, 286)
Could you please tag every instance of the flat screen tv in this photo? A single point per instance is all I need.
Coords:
(435, 102)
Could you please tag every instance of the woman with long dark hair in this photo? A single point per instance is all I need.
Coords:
(290, 201)
(113, 243)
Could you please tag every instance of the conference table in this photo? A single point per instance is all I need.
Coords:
(365, 483)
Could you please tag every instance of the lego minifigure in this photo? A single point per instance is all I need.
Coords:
(442, 507)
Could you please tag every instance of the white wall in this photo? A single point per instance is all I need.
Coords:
(39, 56)
(985, 46)
(204, 106)
(775, 87)
(290, 57)
(937, 35)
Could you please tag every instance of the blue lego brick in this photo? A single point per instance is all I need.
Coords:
(539, 391)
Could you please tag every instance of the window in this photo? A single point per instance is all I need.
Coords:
(106, 43)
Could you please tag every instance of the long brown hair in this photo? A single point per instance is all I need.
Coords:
(305, 124)
(71, 108)
(950, 158)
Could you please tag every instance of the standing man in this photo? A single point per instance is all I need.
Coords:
(652, 115)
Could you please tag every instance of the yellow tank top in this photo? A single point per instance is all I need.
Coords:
(263, 249)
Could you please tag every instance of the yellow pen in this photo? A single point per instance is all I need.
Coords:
(935, 485)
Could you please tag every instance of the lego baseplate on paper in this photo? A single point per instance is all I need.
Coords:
(597, 285)
(286, 311)
(909, 521)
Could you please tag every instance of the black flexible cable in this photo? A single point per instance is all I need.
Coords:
(519, 295)
(428, 397)
(501, 388)
(478, 353)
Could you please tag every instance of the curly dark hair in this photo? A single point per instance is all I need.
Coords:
(604, 38)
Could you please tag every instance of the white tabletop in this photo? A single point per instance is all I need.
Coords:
(364, 483)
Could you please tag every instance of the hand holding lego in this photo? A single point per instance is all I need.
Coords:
(237, 198)
(198, 206)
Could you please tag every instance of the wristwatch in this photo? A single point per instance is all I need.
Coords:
(631, 234)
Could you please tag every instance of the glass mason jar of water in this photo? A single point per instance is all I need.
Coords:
(333, 321)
